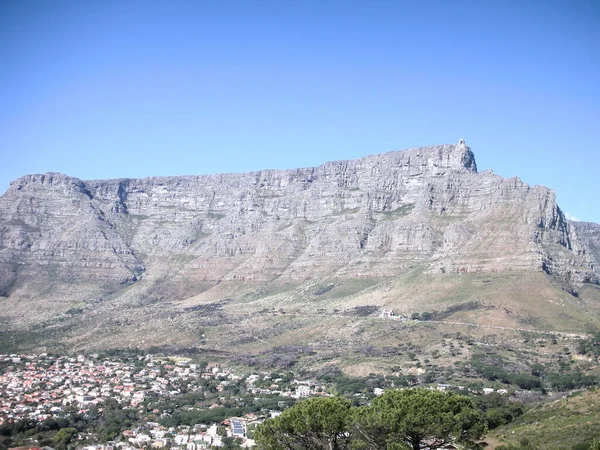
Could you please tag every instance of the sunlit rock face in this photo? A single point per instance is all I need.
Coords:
(589, 236)
(376, 216)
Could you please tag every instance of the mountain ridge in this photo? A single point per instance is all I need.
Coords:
(179, 240)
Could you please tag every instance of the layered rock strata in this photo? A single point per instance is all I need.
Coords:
(375, 216)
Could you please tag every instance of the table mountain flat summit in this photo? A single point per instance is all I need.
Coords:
(125, 261)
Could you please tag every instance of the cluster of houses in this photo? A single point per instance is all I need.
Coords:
(42, 386)
(153, 435)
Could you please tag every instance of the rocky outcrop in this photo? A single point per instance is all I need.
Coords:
(589, 236)
(49, 226)
(375, 216)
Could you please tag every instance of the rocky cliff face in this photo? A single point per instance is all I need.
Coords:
(589, 236)
(377, 216)
(49, 223)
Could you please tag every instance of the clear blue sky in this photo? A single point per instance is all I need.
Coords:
(112, 88)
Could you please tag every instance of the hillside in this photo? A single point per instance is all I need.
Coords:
(557, 424)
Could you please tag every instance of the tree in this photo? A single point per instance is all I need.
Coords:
(63, 437)
(230, 443)
(590, 346)
(313, 424)
(419, 419)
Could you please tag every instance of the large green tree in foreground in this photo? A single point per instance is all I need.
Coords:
(313, 424)
(411, 419)
(419, 419)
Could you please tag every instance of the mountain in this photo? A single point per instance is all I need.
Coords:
(255, 260)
